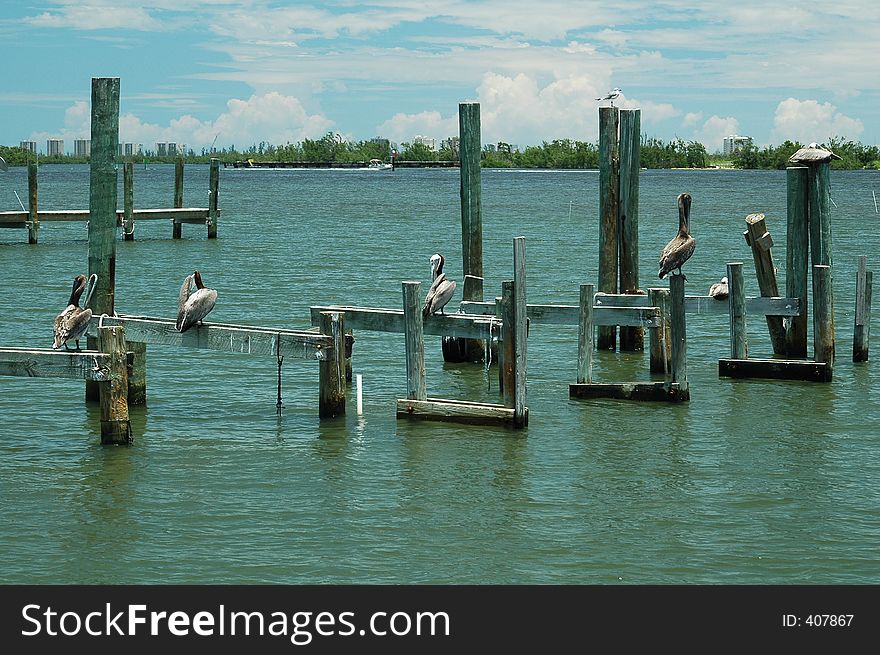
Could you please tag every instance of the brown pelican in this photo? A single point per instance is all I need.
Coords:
(193, 307)
(813, 154)
(611, 95)
(72, 323)
(441, 289)
(680, 249)
(719, 290)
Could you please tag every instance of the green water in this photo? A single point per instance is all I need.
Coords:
(750, 482)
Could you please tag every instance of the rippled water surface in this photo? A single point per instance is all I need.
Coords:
(751, 482)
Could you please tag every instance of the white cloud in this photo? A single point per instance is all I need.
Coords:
(97, 17)
(713, 131)
(807, 121)
(401, 127)
(692, 118)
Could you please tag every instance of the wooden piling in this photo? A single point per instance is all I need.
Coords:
(660, 339)
(137, 381)
(33, 214)
(508, 339)
(820, 213)
(457, 349)
(739, 345)
(797, 254)
(585, 336)
(862, 328)
(609, 185)
(178, 197)
(678, 332)
(631, 338)
(520, 326)
(128, 201)
(416, 387)
(331, 371)
(214, 198)
(103, 200)
(759, 240)
(823, 315)
(115, 425)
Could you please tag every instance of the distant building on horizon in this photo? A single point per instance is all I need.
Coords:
(82, 147)
(452, 143)
(28, 146)
(734, 142)
(427, 141)
(54, 147)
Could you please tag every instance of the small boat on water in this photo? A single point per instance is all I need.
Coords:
(379, 165)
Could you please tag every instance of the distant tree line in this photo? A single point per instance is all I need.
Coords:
(559, 153)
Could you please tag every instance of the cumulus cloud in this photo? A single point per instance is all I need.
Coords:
(713, 131)
(97, 17)
(403, 127)
(807, 121)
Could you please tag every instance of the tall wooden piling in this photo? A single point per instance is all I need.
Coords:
(609, 186)
(520, 326)
(823, 315)
(508, 339)
(585, 335)
(213, 198)
(739, 345)
(862, 329)
(128, 201)
(137, 381)
(413, 330)
(177, 228)
(820, 213)
(331, 371)
(103, 200)
(631, 338)
(115, 425)
(759, 240)
(660, 339)
(797, 255)
(678, 330)
(33, 214)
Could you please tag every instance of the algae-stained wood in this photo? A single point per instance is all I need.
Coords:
(642, 391)
(33, 214)
(115, 426)
(470, 148)
(331, 372)
(39, 363)
(797, 256)
(609, 189)
(631, 338)
(438, 409)
(416, 385)
(128, 201)
(180, 215)
(862, 330)
(239, 340)
(760, 242)
(775, 369)
(391, 320)
(213, 198)
(739, 344)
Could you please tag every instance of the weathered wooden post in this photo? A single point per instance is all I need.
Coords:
(177, 228)
(137, 381)
(103, 200)
(508, 341)
(128, 201)
(631, 338)
(862, 330)
(820, 213)
(33, 215)
(759, 240)
(609, 186)
(413, 330)
(520, 326)
(585, 335)
(678, 330)
(331, 371)
(660, 340)
(823, 317)
(739, 345)
(115, 425)
(214, 198)
(797, 255)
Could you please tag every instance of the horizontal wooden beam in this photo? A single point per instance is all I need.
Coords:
(775, 369)
(45, 363)
(176, 214)
(439, 409)
(757, 305)
(238, 339)
(633, 316)
(643, 391)
(391, 320)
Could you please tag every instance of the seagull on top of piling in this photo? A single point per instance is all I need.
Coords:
(193, 307)
(813, 154)
(611, 95)
(441, 289)
(71, 324)
(719, 290)
(682, 246)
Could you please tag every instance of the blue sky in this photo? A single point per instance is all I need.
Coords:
(237, 72)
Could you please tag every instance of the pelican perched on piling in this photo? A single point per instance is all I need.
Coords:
(680, 249)
(719, 290)
(71, 324)
(813, 154)
(611, 95)
(193, 307)
(441, 289)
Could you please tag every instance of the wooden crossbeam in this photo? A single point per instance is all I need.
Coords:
(238, 339)
(760, 306)
(645, 391)
(775, 369)
(178, 215)
(391, 320)
(46, 363)
(635, 315)
(461, 411)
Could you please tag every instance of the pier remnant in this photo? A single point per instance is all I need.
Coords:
(758, 238)
(213, 198)
(177, 228)
(632, 338)
(115, 425)
(797, 253)
(331, 370)
(33, 214)
(862, 329)
(609, 188)
(739, 345)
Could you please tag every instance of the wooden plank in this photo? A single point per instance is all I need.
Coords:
(641, 391)
(243, 340)
(437, 409)
(862, 333)
(570, 314)
(609, 190)
(508, 338)
(823, 315)
(739, 344)
(391, 320)
(760, 242)
(115, 425)
(632, 339)
(797, 253)
(757, 305)
(660, 337)
(775, 369)
(861, 282)
(416, 386)
(39, 363)
(331, 371)
(585, 335)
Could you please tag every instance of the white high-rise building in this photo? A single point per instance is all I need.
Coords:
(735, 142)
(54, 147)
(28, 146)
(82, 147)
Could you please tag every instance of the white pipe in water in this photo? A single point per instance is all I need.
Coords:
(360, 395)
